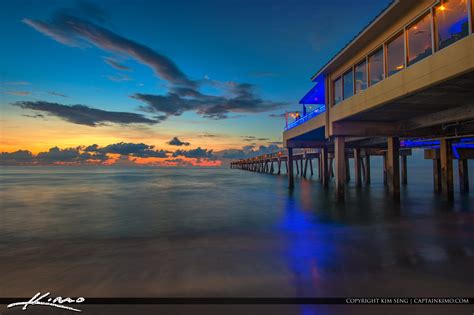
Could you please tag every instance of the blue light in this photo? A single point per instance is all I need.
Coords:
(317, 94)
(314, 113)
(435, 144)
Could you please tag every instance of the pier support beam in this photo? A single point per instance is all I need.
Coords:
(463, 176)
(367, 170)
(357, 168)
(437, 176)
(305, 167)
(384, 169)
(324, 172)
(291, 179)
(404, 170)
(393, 166)
(348, 170)
(446, 155)
(339, 149)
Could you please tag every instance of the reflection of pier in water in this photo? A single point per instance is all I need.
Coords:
(406, 81)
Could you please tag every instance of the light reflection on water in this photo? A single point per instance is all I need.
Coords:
(221, 232)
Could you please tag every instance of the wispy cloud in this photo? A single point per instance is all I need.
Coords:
(184, 93)
(241, 99)
(71, 30)
(17, 93)
(253, 138)
(57, 94)
(84, 115)
(277, 115)
(115, 64)
(119, 78)
(15, 83)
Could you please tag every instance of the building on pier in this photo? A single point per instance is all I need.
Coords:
(408, 75)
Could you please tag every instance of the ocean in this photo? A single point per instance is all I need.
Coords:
(218, 232)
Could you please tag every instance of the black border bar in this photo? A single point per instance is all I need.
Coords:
(264, 300)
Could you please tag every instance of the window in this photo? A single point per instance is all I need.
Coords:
(419, 39)
(376, 72)
(361, 76)
(337, 91)
(395, 54)
(451, 21)
(348, 82)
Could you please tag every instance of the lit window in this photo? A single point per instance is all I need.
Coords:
(376, 72)
(451, 21)
(361, 76)
(348, 79)
(337, 91)
(395, 55)
(419, 39)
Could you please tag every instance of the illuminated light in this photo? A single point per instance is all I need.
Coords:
(441, 8)
(400, 67)
(310, 115)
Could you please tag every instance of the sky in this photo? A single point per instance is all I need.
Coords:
(160, 82)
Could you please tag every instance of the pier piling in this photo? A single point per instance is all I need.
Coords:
(393, 166)
(339, 151)
(357, 168)
(291, 180)
(446, 157)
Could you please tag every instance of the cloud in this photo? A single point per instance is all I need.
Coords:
(175, 141)
(179, 162)
(209, 135)
(252, 138)
(116, 64)
(71, 30)
(68, 155)
(247, 152)
(15, 83)
(84, 115)
(131, 149)
(68, 28)
(282, 115)
(57, 94)
(119, 78)
(194, 153)
(241, 98)
(20, 157)
(34, 116)
(17, 93)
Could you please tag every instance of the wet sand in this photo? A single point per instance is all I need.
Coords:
(407, 258)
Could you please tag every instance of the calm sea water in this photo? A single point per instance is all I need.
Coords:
(219, 232)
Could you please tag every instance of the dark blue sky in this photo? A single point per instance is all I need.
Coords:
(262, 51)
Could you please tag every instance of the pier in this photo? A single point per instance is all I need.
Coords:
(405, 81)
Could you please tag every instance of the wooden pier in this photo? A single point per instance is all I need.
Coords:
(374, 99)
